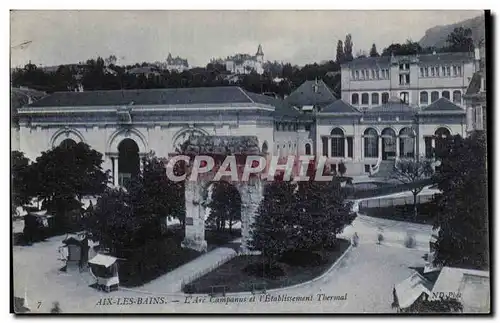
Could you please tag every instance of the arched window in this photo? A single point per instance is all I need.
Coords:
(375, 99)
(424, 97)
(457, 97)
(308, 149)
(338, 142)
(406, 143)
(441, 134)
(385, 97)
(434, 96)
(67, 143)
(365, 98)
(371, 143)
(446, 94)
(405, 97)
(355, 98)
(264, 148)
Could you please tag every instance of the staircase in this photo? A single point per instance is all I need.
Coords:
(384, 169)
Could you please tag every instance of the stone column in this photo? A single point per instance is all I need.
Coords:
(251, 194)
(362, 148)
(380, 147)
(397, 146)
(329, 147)
(346, 150)
(115, 171)
(194, 237)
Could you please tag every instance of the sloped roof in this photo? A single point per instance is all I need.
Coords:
(384, 61)
(442, 104)
(410, 289)
(281, 108)
(201, 95)
(393, 106)
(453, 280)
(305, 94)
(339, 106)
(475, 84)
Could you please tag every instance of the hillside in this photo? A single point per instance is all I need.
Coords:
(436, 36)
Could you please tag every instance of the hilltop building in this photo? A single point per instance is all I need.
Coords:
(245, 63)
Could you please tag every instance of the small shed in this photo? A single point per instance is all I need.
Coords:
(104, 268)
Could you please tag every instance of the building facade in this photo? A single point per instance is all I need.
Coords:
(245, 63)
(176, 64)
(475, 96)
(418, 80)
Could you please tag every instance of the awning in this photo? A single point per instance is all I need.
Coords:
(103, 260)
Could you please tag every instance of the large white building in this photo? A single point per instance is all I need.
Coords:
(245, 63)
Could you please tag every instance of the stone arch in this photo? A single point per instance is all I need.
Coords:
(265, 147)
(308, 148)
(65, 133)
(407, 141)
(127, 133)
(442, 128)
(388, 143)
(210, 194)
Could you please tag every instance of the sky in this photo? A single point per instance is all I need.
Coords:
(298, 37)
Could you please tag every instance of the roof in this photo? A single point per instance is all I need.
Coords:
(442, 104)
(281, 108)
(410, 289)
(259, 51)
(455, 280)
(305, 94)
(201, 95)
(394, 105)
(103, 260)
(372, 62)
(225, 145)
(475, 84)
(340, 106)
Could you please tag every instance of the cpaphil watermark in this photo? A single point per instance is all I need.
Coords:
(241, 169)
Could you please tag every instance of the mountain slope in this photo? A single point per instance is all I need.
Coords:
(436, 36)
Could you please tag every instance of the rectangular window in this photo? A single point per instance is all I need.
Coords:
(367, 168)
(433, 72)
(373, 74)
(448, 71)
(443, 69)
(426, 72)
(421, 72)
(454, 70)
(378, 74)
(350, 147)
(338, 147)
(479, 118)
(371, 147)
(437, 71)
(324, 141)
(459, 70)
(357, 75)
(352, 74)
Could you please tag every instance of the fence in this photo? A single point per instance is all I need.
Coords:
(186, 285)
(386, 202)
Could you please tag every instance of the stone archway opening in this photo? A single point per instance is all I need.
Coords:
(223, 209)
(388, 144)
(128, 162)
(407, 143)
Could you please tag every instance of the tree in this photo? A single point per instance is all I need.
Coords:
(225, 205)
(321, 214)
(342, 168)
(408, 48)
(273, 226)
(348, 48)
(62, 176)
(21, 185)
(443, 305)
(412, 170)
(373, 51)
(340, 58)
(461, 211)
(460, 40)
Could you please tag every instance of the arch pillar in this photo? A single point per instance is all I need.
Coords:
(194, 237)
(251, 195)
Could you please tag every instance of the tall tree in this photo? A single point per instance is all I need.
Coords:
(462, 206)
(340, 58)
(408, 48)
(321, 214)
(274, 227)
(373, 51)
(460, 40)
(64, 174)
(21, 185)
(348, 48)
(225, 205)
(412, 170)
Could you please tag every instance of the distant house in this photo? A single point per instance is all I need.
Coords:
(475, 95)
(245, 63)
(177, 64)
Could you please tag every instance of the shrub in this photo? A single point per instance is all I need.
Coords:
(302, 258)
(260, 269)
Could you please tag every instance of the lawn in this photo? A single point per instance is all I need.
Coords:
(401, 213)
(354, 192)
(232, 277)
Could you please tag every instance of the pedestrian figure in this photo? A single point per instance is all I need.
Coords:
(355, 239)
